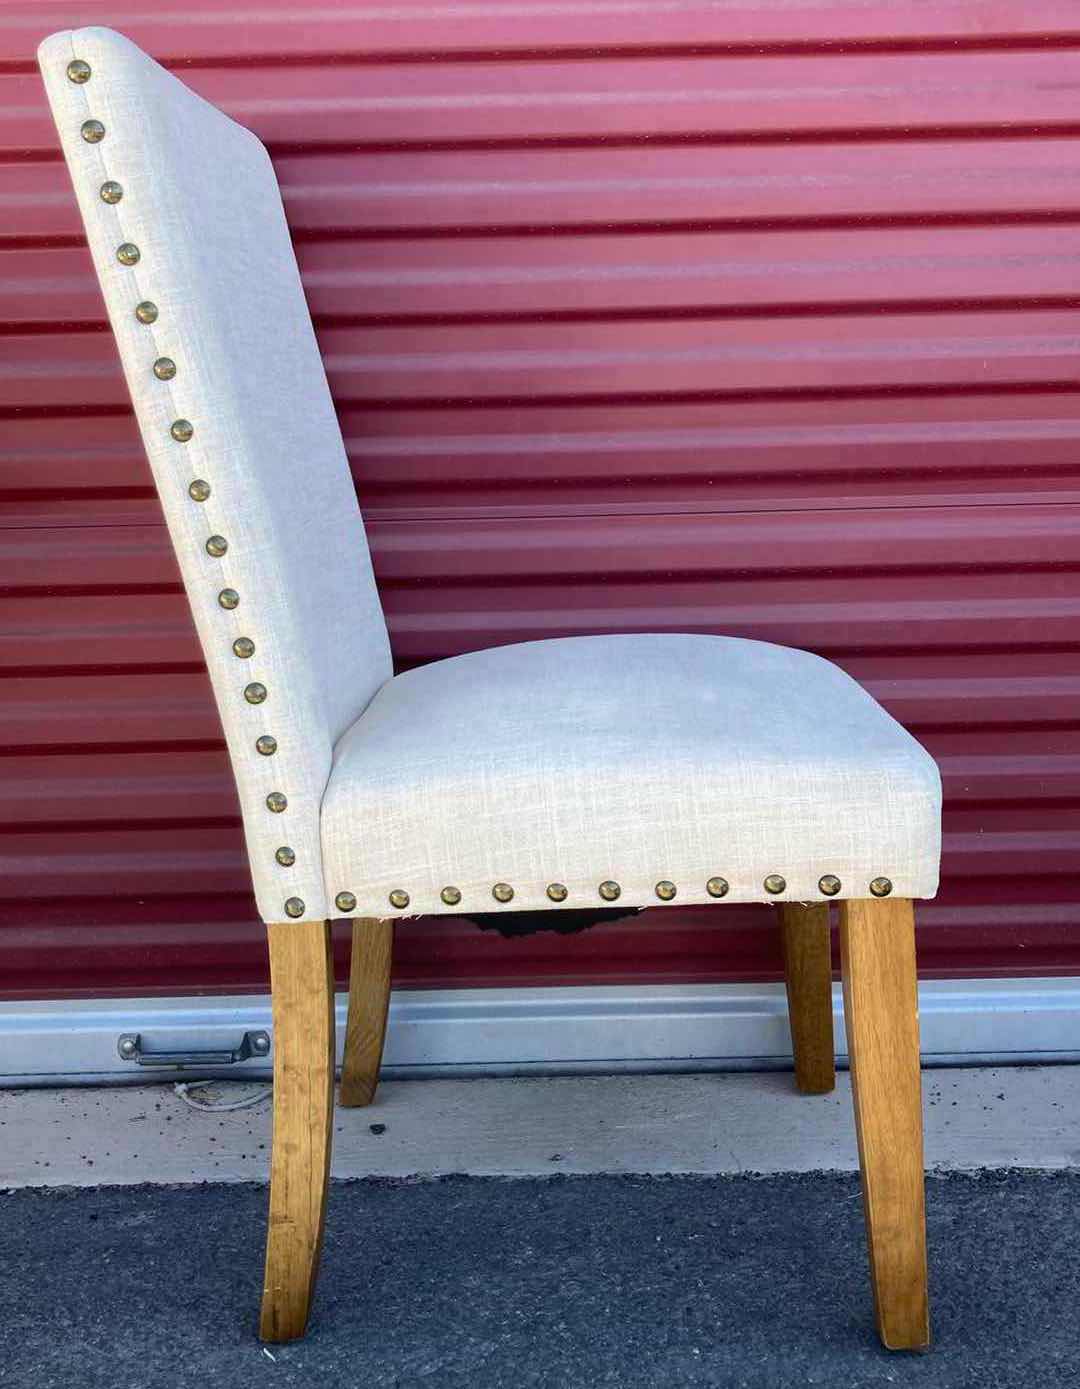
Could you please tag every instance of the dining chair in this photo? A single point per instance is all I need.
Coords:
(642, 770)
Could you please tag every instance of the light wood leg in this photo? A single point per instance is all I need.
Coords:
(808, 976)
(302, 983)
(877, 944)
(369, 1001)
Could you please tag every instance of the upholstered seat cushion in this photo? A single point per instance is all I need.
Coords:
(634, 760)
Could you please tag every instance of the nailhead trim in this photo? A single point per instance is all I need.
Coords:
(182, 430)
(774, 884)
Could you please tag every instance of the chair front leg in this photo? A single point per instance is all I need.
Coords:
(302, 984)
(804, 931)
(877, 945)
(369, 1002)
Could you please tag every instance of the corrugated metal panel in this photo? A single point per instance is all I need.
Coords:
(755, 319)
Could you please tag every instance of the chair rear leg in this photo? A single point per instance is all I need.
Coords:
(877, 943)
(302, 983)
(369, 1002)
(808, 977)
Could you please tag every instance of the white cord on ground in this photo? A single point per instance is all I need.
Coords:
(184, 1088)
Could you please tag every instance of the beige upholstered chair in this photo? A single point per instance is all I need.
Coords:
(546, 775)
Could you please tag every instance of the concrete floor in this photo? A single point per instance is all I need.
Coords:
(679, 1124)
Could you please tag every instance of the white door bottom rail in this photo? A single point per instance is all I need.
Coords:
(536, 1031)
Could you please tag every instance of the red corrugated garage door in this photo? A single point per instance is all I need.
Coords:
(744, 318)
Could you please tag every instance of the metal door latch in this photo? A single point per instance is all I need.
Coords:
(252, 1044)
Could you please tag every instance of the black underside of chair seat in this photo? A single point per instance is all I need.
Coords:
(564, 923)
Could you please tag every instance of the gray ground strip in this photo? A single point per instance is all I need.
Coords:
(655, 1125)
(561, 1281)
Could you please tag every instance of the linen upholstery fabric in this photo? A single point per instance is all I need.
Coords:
(630, 758)
(201, 203)
(635, 759)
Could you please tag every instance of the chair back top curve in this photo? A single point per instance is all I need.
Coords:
(188, 236)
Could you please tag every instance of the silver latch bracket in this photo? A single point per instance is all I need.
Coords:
(251, 1045)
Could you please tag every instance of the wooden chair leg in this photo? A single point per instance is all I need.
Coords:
(302, 983)
(877, 944)
(808, 976)
(369, 1002)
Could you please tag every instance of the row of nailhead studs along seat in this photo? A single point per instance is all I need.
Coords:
(164, 368)
(610, 891)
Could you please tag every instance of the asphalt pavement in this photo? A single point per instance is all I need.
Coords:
(561, 1281)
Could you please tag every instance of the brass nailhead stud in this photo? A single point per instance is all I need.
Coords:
(609, 890)
(229, 598)
(181, 430)
(254, 693)
(78, 70)
(557, 892)
(451, 896)
(266, 744)
(276, 802)
(294, 907)
(717, 887)
(216, 546)
(243, 647)
(111, 192)
(665, 890)
(164, 368)
(830, 884)
(881, 887)
(502, 892)
(286, 856)
(774, 883)
(399, 898)
(128, 253)
(146, 312)
(92, 132)
(198, 490)
(345, 902)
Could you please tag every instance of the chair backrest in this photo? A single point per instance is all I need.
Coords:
(189, 240)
